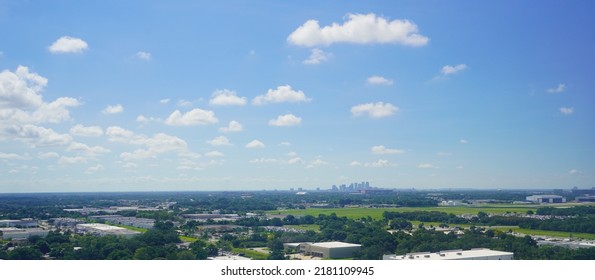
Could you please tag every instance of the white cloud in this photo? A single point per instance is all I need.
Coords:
(219, 141)
(47, 155)
(449, 70)
(233, 126)
(426, 165)
(566, 110)
(84, 149)
(316, 162)
(143, 55)
(573, 172)
(292, 154)
(382, 150)
(559, 89)
(35, 136)
(463, 141)
(72, 160)
(164, 101)
(193, 117)
(118, 134)
(285, 120)
(317, 56)
(94, 169)
(225, 97)
(379, 164)
(86, 131)
(184, 103)
(355, 163)
(113, 109)
(158, 144)
(144, 120)
(12, 156)
(280, 95)
(295, 160)
(264, 160)
(374, 110)
(67, 44)
(214, 154)
(359, 29)
(255, 144)
(21, 89)
(379, 80)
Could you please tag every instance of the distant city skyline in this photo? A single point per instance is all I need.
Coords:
(263, 95)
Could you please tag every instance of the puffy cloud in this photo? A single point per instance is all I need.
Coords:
(286, 120)
(113, 109)
(317, 56)
(158, 144)
(35, 136)
(382, 150)
(214, 154)
(84, 149)
(164, 101)
(219, 141)
(355, 163)
(316, 162)
(264, 160)
(143, 55)
(449, 70)
(47, 155)
(184, 103)
(21, 89)
(379, 163)
(193, 117)
(94, 169)
(233, 126)
(426, 165)
(118, 134)
(295, 160)
(374, 110)
(280, 95)
(67, 44)
(225, 97)
(86, 131)
(144, 120)
(359, 29)
(463, 141)
(12, 156)
(255, 144)
(559, 89)
(379, 80)
(566, 110)
(72, 160)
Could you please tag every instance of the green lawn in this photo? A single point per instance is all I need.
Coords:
(376, 213)
(250, 253)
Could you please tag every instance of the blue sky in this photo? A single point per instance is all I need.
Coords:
(223, 95)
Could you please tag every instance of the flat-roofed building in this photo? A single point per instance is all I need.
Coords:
(103, 229)
(22, 233)
(473, 254)
(546, 198)
(331, 250)
(22, 223)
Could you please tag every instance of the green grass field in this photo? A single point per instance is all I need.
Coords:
(250, 253)
(376, 213)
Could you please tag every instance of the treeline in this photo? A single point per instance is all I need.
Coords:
(572, 211)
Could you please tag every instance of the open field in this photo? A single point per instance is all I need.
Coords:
(376, 213)
(249, 253)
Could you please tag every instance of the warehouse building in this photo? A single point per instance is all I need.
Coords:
(102, 229)
(22, 223)
(22, 233)
(473, 254)
(546, 198)
(329, 250)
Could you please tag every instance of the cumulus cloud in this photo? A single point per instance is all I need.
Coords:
(449, 70)
(193, 117)
(113, 109)
(374, 110)
(67, 44)
(86, 150)
(264, 160)
(281, 95)
(233, 126)
(295, 160)
(225, 97)
(379, 163)
(355, 163)
(255, 144)
(36, 136)
(72, 160)
(316, 162)
(94, 169)
(153, 146)
(86, 131)
(379, 80)
(21, 89)
(359, 29)
(12, 156)
(566, 110)
(317, 56)
(219, 141)
(560, 88)
(214, 154)
(47, 155)
(285, 120)
(382, 150)
(143, 55)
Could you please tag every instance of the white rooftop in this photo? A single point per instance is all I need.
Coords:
(450, 255)
(335, 244)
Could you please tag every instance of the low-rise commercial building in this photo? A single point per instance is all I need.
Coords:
(473, 254)
(330, 250)
(102, 229)
(22, 223)
(22, 233)
(546, 198)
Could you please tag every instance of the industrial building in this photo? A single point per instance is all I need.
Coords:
(127, 221)
(329, 250)
(22, 223)
(473, 254)
(22, 233)
(546, 198)
(102, 229)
